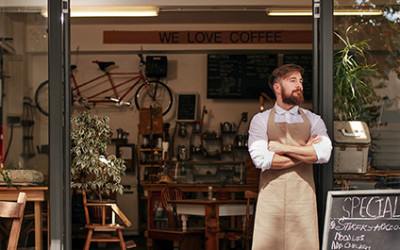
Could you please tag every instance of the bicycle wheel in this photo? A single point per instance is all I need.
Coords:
(155, 94)
(42, 98)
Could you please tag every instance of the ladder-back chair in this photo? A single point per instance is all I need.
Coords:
(101, 231)
(15, 212)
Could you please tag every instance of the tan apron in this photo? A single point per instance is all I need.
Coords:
(286, 215)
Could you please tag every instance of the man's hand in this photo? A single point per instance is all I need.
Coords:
(305, 153)
(314, 140)
(276, 147)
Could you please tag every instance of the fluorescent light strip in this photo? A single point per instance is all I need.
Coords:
(357, 13)
(336, 12)
(113, 11)
(289, 13)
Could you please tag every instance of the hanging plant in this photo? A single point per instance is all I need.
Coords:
(91, 168)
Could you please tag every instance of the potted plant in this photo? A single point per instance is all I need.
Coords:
(92, 169)
(355, 105)
(353, 87)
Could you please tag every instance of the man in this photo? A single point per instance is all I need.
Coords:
(284, 142)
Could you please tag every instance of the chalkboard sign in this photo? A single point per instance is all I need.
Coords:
(367, 219)
(239, 76)
(187, 107)
(305, 60)
(244, 76)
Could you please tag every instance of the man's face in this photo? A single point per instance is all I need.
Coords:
(292, 88)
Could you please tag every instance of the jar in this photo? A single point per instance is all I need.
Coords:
(182, 152)
(210, 192)
(182, 130)
(159, 142)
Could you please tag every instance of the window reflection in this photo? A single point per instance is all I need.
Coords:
(383, 112)
(24, 56)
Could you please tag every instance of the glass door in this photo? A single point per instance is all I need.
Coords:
(374, 96)
(34, 53)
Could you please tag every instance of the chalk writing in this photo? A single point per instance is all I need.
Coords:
(363, 220)
(341, 225)
(371, 207)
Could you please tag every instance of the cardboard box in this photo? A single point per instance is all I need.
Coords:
(351, 144)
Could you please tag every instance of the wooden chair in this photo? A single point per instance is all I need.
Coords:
(101, 230)
(247, 232)
(15, 212)
(164, 239)
(167, 194)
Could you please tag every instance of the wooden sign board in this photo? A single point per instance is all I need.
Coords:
(207, 37)
(365, 219)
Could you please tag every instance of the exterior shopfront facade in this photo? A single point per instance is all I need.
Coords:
(52, 46)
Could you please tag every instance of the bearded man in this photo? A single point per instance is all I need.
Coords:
(284, 142)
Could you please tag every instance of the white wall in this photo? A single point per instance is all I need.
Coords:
(187, 69)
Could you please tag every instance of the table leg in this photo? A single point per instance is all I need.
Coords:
(211, 230)
(38, 225)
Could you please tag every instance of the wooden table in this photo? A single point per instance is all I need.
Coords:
(34, 194)
(205, 208)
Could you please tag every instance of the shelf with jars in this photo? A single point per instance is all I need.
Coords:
(151, 146)
(205, 172)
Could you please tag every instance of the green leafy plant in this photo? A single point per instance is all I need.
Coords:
(91, 168)
(6, 177)
(353, 87)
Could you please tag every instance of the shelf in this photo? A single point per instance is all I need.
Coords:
(150, 149)
(206, 162)
(241, 148)
(228, 132)
(155, 165)
(119, 141)
(211, 138)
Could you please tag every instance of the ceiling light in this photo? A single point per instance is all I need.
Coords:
(289, 12)
(356, 12)
(350, 12)
(113, 11)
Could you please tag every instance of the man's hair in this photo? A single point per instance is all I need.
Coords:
(282, 72)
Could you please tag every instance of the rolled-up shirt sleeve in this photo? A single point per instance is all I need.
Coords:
(322, 149)
(258, 142)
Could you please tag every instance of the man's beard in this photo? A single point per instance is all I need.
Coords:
(292, 99)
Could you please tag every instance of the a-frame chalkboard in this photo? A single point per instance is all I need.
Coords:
(364, 219)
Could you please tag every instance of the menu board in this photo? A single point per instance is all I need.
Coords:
(367, 219)
(239, 76)
(244, 76)
(187, 107)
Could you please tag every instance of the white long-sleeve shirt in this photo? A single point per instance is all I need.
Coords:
(258, 138)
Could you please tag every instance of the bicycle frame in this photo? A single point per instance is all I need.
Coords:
(137, 78)
(150, 93)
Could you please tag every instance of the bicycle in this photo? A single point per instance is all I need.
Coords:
(150, 92)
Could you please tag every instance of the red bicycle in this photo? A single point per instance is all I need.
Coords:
(106, 89)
